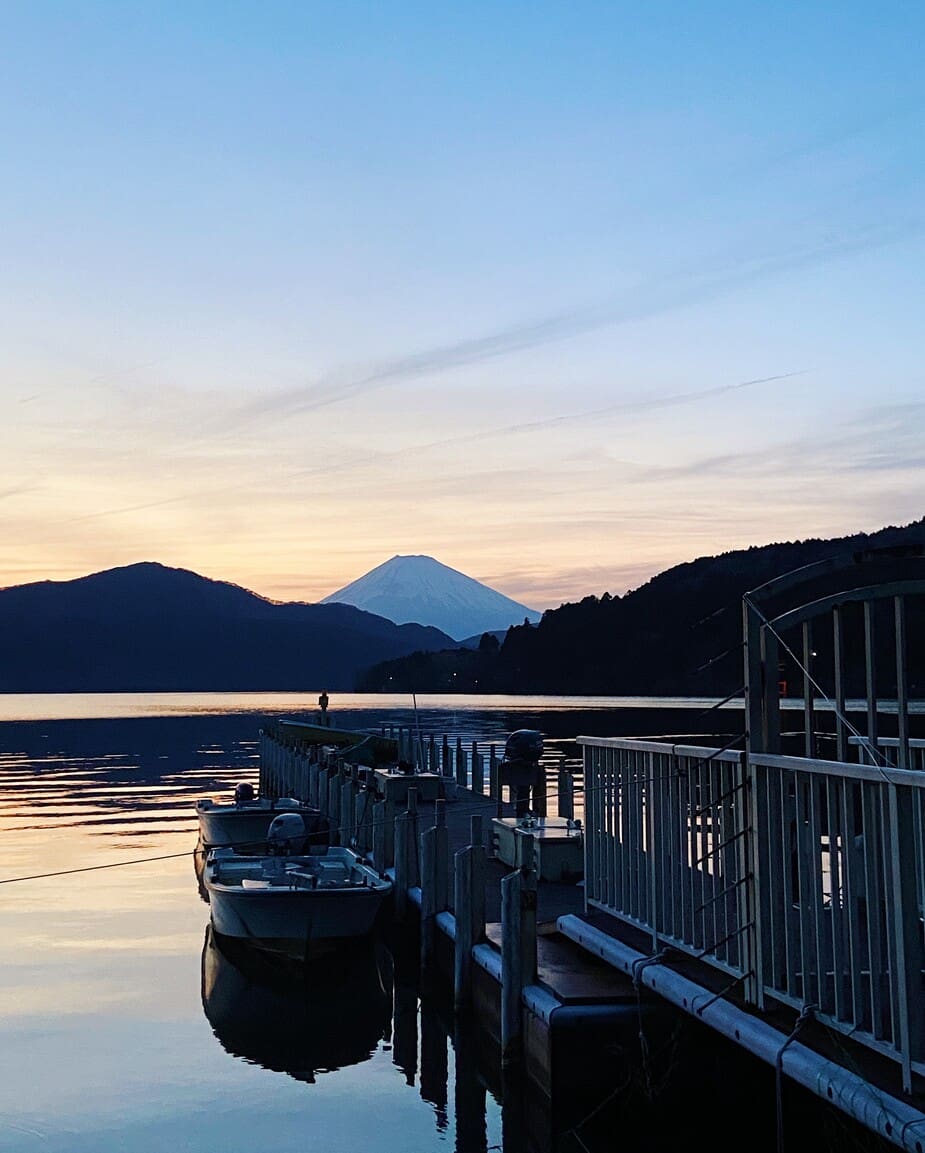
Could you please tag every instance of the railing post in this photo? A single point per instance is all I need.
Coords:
(435, 847)
(469, 906)
(518, 950)
(906, 929)
(750, 858)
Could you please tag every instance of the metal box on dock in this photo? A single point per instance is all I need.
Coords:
(394, 786)
(558, 845)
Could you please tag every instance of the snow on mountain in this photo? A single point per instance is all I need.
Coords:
(421, 590)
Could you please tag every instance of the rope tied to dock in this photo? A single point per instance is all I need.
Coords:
(639, 966)
(807, 1013)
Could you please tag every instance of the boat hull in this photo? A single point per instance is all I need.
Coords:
(294, 922)
(293, 905)
(245, 828)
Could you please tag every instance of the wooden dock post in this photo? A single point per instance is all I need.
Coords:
(321, 788)
(445, 769)
(414, 843)
(566, 791)
(518, 950)
(388, 852)
(469, 905)
(494, 781)
(334, 806)
(361, 835)
(435, 849)
(462, 769)
(402, 826)
(540, 793)
(478, 770)
(378, 836)
(406, 854)
(347, 810)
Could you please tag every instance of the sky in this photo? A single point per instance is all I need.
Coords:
(560, 294)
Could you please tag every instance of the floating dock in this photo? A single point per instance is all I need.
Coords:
(774, 895)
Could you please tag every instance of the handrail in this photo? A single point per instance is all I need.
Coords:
(804, 878)
(912, 778)
(702, 751)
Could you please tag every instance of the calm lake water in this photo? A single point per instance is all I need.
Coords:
(124, 1028)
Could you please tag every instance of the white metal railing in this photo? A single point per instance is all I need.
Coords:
(803, 877)
(839, 882)
(890, 746)
(665, 843)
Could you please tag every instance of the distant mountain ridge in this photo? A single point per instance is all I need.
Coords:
(678, 634)
(420, 589)
(147, 627)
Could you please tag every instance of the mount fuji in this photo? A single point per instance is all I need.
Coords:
(421, 590)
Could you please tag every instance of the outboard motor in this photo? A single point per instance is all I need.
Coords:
(286, 835)
(524, 745)
(520, 768)
(244, 793)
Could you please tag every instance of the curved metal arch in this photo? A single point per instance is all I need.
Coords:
(850, 596)
(841, 562)
(903, 570)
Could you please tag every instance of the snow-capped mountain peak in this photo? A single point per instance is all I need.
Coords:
(419, 589)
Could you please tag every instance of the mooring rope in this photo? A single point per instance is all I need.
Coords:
(806, 1014)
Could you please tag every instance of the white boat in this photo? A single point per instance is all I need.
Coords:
(293, 904)
(243, 824)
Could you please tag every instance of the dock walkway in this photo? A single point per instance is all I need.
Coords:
(773, 894)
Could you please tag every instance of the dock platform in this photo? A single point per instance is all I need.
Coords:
(772, 894)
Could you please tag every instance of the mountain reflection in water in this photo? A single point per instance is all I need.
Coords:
(93, 963)
(293, 1020)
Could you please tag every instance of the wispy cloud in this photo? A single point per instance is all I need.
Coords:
(870, 441)
(664, 294)
(355, 464)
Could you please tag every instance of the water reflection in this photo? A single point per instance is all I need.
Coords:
(295, 1020)
(92, 963)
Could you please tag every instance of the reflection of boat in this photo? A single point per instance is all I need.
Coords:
(243, 824)
(292, 904)
(296, 1022)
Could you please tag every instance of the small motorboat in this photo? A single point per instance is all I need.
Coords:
(289, 902)
(243, 824)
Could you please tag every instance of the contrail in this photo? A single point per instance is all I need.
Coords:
(670, 400)
(664, 295)
(650, 404)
